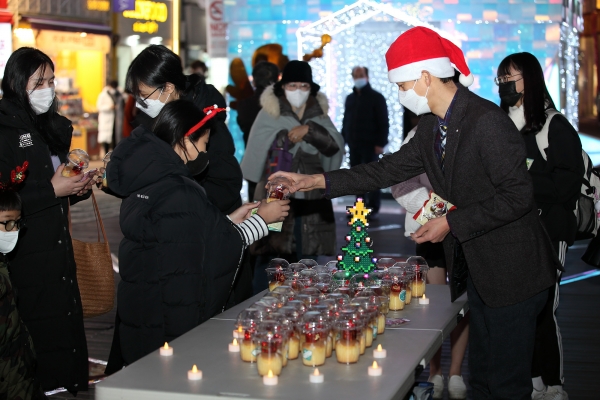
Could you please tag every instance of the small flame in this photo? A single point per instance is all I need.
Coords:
(424, 298)
(166, 346)
(316, 373)
(375, 364)
(195, 369)
(270, 374)
(379, 348)
(235, 342)
(240, 329)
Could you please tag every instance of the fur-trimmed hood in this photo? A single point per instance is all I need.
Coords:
(274, 105)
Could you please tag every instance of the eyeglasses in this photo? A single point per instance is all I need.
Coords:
(503, 79)
(305, 87)
(142, 102)
(12, 224)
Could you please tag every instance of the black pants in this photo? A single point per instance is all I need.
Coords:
(501, 342)
(364, 155)
(548, 355)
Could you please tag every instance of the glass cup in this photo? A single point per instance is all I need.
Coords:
(77, 161)
(310, 263)
(419, 267)
(276, 277)
(347, 342)
(270, 338)
(385, 263)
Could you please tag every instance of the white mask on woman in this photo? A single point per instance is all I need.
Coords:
(415, 103)
(153, 105)
(8, 241)
(297, 97)
(41, 100)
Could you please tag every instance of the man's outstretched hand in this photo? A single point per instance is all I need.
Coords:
(301, 182)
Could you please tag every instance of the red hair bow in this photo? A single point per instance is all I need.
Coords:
(210, 112)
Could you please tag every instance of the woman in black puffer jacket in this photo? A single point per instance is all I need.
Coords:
(180, 254)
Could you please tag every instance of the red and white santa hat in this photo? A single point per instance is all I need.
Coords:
(421, 49)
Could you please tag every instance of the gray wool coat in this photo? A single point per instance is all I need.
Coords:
(508, 253)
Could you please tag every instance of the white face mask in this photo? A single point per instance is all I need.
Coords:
(360, 83)
(297, 97)
(415, 103)
(41, 100)
(154, 105)
(8, 241)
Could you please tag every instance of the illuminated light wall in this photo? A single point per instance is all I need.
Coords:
(486, 30)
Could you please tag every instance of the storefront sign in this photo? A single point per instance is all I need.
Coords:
(5, 46)
(123, 5)
(216, 29)
(72, 41)
(149, 11)
(98, 5)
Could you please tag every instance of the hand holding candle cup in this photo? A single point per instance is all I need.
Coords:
(77, 161)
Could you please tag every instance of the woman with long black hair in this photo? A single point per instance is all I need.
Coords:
(179, 256)
(155, 77)
(42, 264)
(556, 171)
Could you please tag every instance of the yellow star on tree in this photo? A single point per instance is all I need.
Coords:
(359, 212)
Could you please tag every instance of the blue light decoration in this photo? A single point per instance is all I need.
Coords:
(486, 31)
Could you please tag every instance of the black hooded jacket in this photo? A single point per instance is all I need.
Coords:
(222, 180)
(179, 253)
(42, 265)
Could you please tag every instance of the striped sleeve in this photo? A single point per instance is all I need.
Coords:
(252, 229)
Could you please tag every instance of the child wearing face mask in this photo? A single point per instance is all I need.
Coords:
(180, 255)
(17, 356)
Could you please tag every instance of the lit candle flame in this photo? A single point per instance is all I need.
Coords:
(235, 343)
(240, 330)
(166, 346)
(316, 373)
(424, 297)
(270, 374)
(375, 364)
(195, 369)
(379, 348)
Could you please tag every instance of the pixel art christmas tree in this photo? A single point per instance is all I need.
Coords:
(356, 255)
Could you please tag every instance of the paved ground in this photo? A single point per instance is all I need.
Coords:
(578, 312)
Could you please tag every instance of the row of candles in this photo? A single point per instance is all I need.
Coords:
(312, 310)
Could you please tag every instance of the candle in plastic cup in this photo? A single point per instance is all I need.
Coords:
(77, 161)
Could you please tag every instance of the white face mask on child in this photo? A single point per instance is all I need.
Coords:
(8, 241)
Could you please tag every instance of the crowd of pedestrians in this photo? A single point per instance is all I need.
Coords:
(188, 238)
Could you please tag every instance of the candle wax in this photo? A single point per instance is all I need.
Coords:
(294, 348)
(375, 370)
(408, 295)
(396, 301)
(347, 351)
(248, 351)
(269, 363)
(314, 353)
(238, 333)
(380, 324)
(423, 300)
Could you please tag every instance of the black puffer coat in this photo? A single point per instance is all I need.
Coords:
(179, 254)
(222, 180)
(42, 266)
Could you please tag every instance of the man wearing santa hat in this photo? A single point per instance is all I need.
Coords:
(495, 245)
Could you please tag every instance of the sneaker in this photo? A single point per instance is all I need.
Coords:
(555, 393)
(457, 388)
(438, 386)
